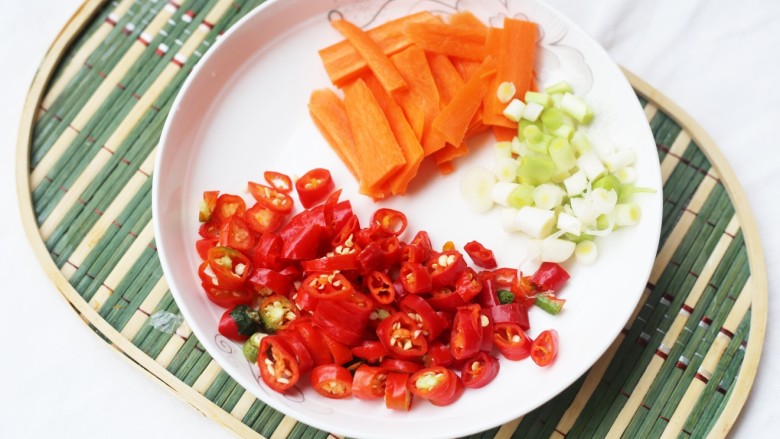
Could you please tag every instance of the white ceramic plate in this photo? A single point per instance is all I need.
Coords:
(243, 111)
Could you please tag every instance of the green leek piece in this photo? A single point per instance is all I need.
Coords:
(608, 182)
(562, 155)
(560, 87)
(602, 221)
(576, 108)
(578, 238)
(564, 132)
(581, 142)
(536, 169)
(552, 118)
(523, 195)
(542, 99)
(627, 191)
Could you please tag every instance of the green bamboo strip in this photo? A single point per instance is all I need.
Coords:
(133, 289)
(700, 409)
(487, 434)
(647, 322)
(688, 179)
(112, 112)
(229, 396)
(188, 354)
(262, 418)
(719, 400)
(665, 130)
(663, 388)
(73, 97)
(151, 340)
(641, 99)
(190, 374)
(222, 384)
(303, 431)
(702, 337)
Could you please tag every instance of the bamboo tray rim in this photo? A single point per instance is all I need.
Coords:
(82, 17)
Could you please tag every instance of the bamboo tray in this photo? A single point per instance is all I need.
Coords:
(682, 367)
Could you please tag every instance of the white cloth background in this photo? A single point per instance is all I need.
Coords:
(719, 60)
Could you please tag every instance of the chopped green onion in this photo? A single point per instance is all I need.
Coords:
(590, 164)
(619, 159)
(559, 87)
(475, 188)
(501, 191)
(548, 196)
(505, 92)
(626, 175)
(627, 192)
(507, 216)
(505, 296)
(564, 131)
(576, 184)
(506, 169)
(515, 110)
(549, 303)
(536, 169)
(569, 224)
(532, 111)
(536, 97)
(503, 149)
(586, 252)
(578, 239)
(581, 142)
(576, 108)
(552, 118)
(523, 195)
(535, 222)
(562, 155)
(557, 250)
(627, 214)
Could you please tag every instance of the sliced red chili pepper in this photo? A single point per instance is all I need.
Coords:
(403, 366)
(262, 219)
(512, 313)
(346, 234)
(207, 205)
(235, 233)
(421, 312)
(304, 301)
(298, 348)
(344, 320)
(445, 267)
(370, 350)
(397, 393)
(415, 278)
(446, 299)
(369, 234)
(271, 198)
(278, 181)
(313, 339)
(381, 287)
(268, 252)
(332, 381)
(203, 246)
(210, 229)
(390, 221)
(486, 321)
(488, 297)
(456, 392)
(329, 264)
(266, 281)
(314, 186)
(369, 382)
(338, 350)
(438, 355)
(479, 371)
(511, 341)
(433, 383)
(544, 348)
(231, 267)
(239, 323)
(379, 313)
(423, 242)
(402, 337)
(277, 312)
(371, 258)
(280, 372)
(391, 250)
(466, 336)
(550, 277)
(481, 256)
(328, 286)
(469, 285)
(412, 253)
(227, 206)
(228, 298)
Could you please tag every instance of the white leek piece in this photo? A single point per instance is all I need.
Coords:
(626, 175)
(562, 155)
(557, 250)
(583, 210)
(602, 200)
(548, 196)
(619, 159)
(535, 222)
(576, 184)
(569, 224)
(501, 191)
(576, 108)
(519, 147)
(586, 252)
(506, 169)
(505, 92)
(476, 187)
(514, 111)
(627, 214)
(590, 164)
(564, 132)
(581, 142)
(531, 112)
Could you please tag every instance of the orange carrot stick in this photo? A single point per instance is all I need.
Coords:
(343, 63)
(466, 18)
(329, 115)
(518, 38)
(445, 75)
(461, 41)
(404, 135)
(449, 153)
(378, 155)
(420, 100)
(454, 119)
(504, 134)
(375, 58)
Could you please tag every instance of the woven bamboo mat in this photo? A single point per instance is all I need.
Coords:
(682, 367)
